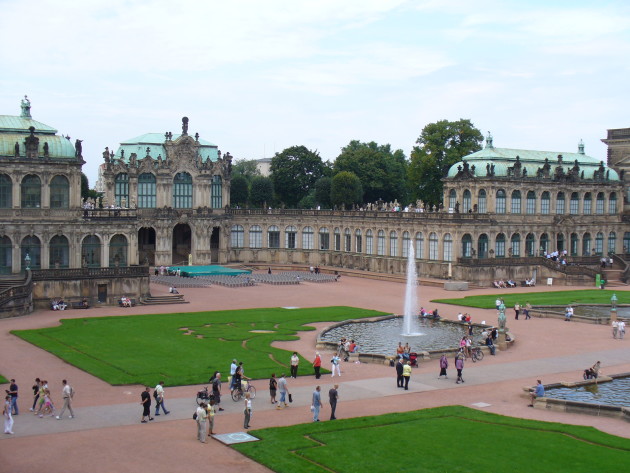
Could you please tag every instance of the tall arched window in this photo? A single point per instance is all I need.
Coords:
(612, 242)
(182, 190)
(626, 242)
(273, 237)
(59, 252)
(515, 245)
(574, 206)
(59, 193)
(467, 201)
(419, 245)
(121, 189)
(530, 206)
(369, 243)
(482, 202)
(6, 255)
(255, 236)
(499, 246)
(118, 247)
(393, 243)
(307, 238)
(290, 234)
(31, 192)
(544, 244)
(337, 234)
(586, 244)
(560, 242)
(347, 238)
(516, 202)
(433, 246)
(530, 245)
(324, 239)
(91, 252)
(237, 234)
(146, 191)
(216, 198)
(500, 201)
(599, 244)
(448, 247)
(358, 241)
(452, 199)
(588, 204)
(560, 203)
(599, 204)
(380, 243)
(31, 246)
(612, 203)
(574, 250)
(6, 192)
(467, 246)
(482, 246)
(406, 241)
(544, 203)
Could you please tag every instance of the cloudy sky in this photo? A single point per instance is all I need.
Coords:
(256, 77)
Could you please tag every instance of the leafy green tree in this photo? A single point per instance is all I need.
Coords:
(382, 172)
(322, 192)
(261, 192)
(248, 168)
(439, 146)
(307, 202)
(239, 190)
(294, 172)
(346, 189)
(86, 192)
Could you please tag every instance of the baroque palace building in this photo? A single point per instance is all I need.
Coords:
(167, 202)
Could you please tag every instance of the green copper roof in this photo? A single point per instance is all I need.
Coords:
(21, 125)
(155, 141)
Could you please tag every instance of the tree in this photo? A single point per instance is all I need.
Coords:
(346, 189)
(239, 190)
(294, 172)
(86, 192)
(248, 168)
(439, 146)
(322, 192)
(261, 192)
(382, 172)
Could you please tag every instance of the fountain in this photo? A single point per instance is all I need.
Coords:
(411, 296)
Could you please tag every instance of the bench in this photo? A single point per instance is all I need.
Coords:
(133, 302)
(79, 305)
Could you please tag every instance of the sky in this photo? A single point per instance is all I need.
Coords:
(258, 77)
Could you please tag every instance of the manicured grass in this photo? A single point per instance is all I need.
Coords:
(184, 349)
(445, 439)
(3, 380)
(585, 296)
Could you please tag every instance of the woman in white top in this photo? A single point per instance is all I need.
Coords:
(247, 411)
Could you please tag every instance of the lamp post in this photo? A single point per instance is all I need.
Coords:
(27, 261)
(613, 307)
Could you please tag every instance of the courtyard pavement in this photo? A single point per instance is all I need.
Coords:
(106, 434)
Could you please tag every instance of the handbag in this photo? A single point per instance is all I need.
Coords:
(290, 398)
(312, 408)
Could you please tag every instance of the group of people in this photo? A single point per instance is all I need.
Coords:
(503, 284)
(58, 304)
(125, 301)
(145, 402)
(618, 328)
(316, 404)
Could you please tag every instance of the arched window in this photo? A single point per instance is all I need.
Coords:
(121, 189)
(482, 205)
(452, 199)
(530, 206)
(337, 234)
(612, 242)
(290, 234)
(419, 245)
(599, 204)
(516, 202)
(182, 190)
(560, 242)
(544, 244)
(273, 237)
(499, 246)
(393, 244)
(500, 201)
(588, 204)
(6, 255)
(118, 251)
(467, 202)
(32, 247)
(59, 193)
(380, 243)
(347, 238)
(358, 241)
(255, 236)
(612, 203)
(6, 192)
(237, 234)
(216, 197)
(324, 239)
(530, 245)
(433, 246)
(574, 206)
(467, 246)
(369, 243)
(406, 241)
(307, 238)
(599, 244)
(515, 245)
(586, 244)
(574, 251)
(544, 203)
(448, 247)
(482, 246)
(59, 252)
(560, 203)
(146, 191)
(31, 192)
(626, 242)
(91, 252)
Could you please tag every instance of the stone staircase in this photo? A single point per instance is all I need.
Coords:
(162, 300)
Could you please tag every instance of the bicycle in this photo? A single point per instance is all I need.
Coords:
(477, 354)
(204, 396)
(239, 392)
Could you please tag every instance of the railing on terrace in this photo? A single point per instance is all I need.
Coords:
(110, 214)
(90, 273)
(360, 214)
(573, 267)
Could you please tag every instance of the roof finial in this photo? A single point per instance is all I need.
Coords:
(26, 108)
(489, 141)
(581, 147)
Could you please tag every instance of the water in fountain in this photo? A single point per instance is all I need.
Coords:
(411, 296)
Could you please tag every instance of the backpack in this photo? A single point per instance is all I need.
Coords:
(195, 416)
(155, 394)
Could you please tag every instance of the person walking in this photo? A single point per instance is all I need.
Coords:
(6, 413)
(335, 365)
(273, 388)
(35, 389)
(526, 310)
(247, 411)
(216, 390)
(517, 310)
(317, 365)
(333, 397)
(295, 361)
(202, 416)
(145, 400)
(13, 392)
(443, 366)
(621, 325)
(317, 404)
(615, 328)
(284, 391)
(67, 393)
(459, 365)
(400, 383)
(158, 394)
(233, 368)
(407, 374)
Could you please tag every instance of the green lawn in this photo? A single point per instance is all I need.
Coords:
(184, 349)
(445, 439)
(3, 380)
(585, 296)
